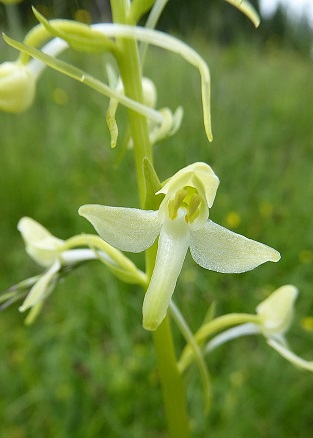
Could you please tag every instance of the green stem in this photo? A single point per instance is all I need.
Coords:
(171, 380)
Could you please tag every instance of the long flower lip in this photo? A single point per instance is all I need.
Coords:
(41, 288)
(172, 248)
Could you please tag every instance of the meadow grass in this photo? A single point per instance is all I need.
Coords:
(86, 368)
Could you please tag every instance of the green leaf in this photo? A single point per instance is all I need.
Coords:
(79, 36)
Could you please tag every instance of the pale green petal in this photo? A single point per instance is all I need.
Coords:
(172, 248)
(41, 289)
(40, 244)
(290, 356)
(127, 229)
(216, 248)
(276, 311)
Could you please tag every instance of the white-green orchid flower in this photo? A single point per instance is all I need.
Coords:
(56, 254)
(46, 250)
(181, 223)
(273, 318)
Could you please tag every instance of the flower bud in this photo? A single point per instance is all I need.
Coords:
(17, 87)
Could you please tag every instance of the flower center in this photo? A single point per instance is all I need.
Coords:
(189, 201)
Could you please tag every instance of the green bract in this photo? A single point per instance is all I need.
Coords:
(181, 223)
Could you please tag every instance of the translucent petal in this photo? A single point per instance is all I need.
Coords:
(172, 248)
(127, 229)
(276, 311)
(216, 248)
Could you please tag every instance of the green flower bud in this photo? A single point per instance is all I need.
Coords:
(17, 87)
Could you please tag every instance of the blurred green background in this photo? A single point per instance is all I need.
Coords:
(86, 368)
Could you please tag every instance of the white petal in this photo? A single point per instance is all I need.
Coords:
(41, 245)
(276, 311)
(219, 249)
(41, 288)
(191, 176)
(127, 229)
(172, 248)
(290, 356)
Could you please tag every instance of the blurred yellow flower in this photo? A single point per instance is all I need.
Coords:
(307, 323)
(266, 209)
(233, 219)
(306, 256)
(60, 96)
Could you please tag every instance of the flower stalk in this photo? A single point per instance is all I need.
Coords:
(170, 378)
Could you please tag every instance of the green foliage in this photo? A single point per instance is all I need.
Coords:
(87, 368)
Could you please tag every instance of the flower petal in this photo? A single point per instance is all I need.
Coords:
(127, 229)
(41, 288)
(221, 250)
(290, 356)
(172, 248)
(276, 311)
(191, 176)
(40, 244)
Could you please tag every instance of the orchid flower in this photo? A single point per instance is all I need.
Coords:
(57, 255)
(273, 318)
(181, 223)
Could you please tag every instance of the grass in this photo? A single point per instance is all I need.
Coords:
(87, 368)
